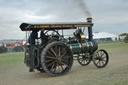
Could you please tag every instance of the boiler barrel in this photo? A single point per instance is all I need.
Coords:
(84, 47)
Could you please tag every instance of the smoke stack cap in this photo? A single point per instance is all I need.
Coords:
(89, 19)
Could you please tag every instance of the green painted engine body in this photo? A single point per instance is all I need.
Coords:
(83, 47)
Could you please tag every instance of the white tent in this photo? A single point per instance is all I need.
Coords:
(99, 35)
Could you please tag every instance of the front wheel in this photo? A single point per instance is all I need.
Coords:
(56, 59)
(100, 58)
(84, 60)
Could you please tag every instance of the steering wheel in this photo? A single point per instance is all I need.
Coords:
(46, 32)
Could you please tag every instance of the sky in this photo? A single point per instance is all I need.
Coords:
(108, 15)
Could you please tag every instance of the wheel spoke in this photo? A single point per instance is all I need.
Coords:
(103, 62)
(50, 57)
(59, 51)
(98, 62)
(98, 54)
(50, 64)
(96, 57)
(63, 60)
(56, 48)
(102, 54)
(65, 57)
(84, 61)
(49, 60)
(61, 66)
(53, 51)
(80, 59)
(58, 66)
(64, 54)
(104, 58)
(64, 63)
(63, 51)
(53, 66)
(50, 53)
(87, 60)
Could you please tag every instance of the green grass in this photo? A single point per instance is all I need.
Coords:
(113, 45)
(11, 59)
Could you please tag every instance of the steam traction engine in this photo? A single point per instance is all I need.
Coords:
(55, 57)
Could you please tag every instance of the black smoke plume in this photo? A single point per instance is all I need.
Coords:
(83, 7)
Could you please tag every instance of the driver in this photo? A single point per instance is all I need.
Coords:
(43, 37)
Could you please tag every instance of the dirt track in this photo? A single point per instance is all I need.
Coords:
(116, 73)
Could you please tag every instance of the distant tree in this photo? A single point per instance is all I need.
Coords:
(124, 34)
(18, 49)
(3, 49)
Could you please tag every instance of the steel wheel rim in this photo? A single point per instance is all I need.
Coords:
(100, 59)
(57, 59)
(84, 60)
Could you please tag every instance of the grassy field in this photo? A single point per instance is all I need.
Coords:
(10, 60)
(14, 72)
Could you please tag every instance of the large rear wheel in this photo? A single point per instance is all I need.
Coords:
(56, 59)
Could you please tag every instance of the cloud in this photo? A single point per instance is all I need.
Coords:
(112, 18)
(110, 13)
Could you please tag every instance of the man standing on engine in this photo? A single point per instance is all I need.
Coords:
(33, 37)
(31, 40)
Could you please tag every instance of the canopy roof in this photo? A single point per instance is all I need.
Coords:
(53, 26)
